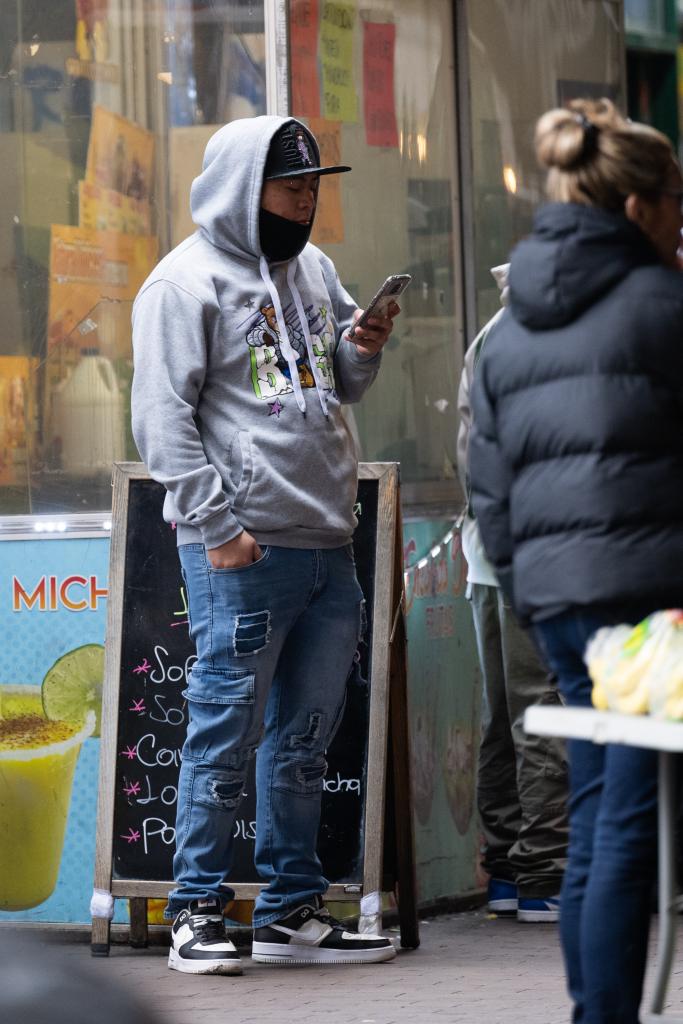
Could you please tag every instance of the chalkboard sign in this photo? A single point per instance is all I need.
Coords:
(148, 657)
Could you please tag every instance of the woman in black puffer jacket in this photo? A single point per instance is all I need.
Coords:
(576, 463)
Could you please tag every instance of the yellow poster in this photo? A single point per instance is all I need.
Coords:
(103, 209)
(16, 413)
(120, 155)
(89, 268)
(337, 28)
(329, 222)
(94, 277)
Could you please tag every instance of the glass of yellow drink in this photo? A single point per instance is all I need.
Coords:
(37, 762)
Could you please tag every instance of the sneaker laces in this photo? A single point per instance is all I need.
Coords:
(208, 928)
(323, 915)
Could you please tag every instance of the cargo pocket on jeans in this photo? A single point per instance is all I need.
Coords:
(222, 728)
(227, 687)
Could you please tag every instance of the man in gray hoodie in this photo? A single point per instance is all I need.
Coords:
(245, 350)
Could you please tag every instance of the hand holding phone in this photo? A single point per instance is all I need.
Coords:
(382, 299)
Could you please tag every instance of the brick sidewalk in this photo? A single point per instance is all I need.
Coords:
(469, 968)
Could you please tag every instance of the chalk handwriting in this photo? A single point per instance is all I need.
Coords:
(168, 716)
(168, 795)
(170, 673)
(153, 827)
(244, 829)
(340, 785)
(148, 755)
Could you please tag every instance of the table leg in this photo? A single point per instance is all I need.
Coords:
(667, 881)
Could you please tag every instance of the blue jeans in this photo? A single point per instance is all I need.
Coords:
(607, 889)
(275, 645)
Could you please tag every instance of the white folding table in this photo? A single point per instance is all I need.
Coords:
(667, 739)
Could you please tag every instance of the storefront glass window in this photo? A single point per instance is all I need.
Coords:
(648, 16)
(376, 85)
(518, 68)
(105, 108)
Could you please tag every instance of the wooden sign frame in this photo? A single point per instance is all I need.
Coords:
(387, 793)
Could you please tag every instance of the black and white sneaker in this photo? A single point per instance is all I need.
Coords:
(199, 944)
(310, 935)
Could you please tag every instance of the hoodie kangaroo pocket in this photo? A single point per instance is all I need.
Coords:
(240, 466)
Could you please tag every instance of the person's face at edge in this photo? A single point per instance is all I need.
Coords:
(292, 198)
(660, 218)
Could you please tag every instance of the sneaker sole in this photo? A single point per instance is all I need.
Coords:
(272, 953)
(179, 963)
(502, 906)
(538, 916)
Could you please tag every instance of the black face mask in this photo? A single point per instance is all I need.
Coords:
(281, 239)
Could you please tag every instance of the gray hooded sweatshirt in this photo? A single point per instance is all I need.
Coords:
(241, 368)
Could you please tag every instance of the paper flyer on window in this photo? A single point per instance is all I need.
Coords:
(120, 154)
(337, 31)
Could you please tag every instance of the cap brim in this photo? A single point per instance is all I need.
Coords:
(307, 170)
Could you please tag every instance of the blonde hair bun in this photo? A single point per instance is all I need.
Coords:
(566, 137)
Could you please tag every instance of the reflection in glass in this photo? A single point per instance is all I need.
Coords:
(105, 109)
(377, 85)
(519, 67)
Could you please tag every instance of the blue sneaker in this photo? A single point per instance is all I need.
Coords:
(546, 909)
(502, 896)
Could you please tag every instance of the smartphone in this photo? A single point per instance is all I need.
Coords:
(379, 304)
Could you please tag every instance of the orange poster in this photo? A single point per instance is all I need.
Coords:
(90, 267)
(120, 155)
(103, 209)
(304, 19)
(329, 221)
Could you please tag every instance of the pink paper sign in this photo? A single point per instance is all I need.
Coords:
(379, 43)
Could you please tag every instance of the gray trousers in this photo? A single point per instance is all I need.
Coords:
(522, 779)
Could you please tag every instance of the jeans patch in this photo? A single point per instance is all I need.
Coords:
(252, 632)
(226, 794)
(305, 778)
(217, 787)
(311, 737)
(311, 776)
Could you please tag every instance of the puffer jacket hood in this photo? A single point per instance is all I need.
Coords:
(575, 255)
(226, 197)
(576, 451)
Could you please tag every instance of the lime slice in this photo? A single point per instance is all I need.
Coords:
(73, 686)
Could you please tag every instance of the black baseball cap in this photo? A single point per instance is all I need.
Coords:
(293, 152)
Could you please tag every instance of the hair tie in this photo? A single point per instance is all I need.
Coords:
(590, 134)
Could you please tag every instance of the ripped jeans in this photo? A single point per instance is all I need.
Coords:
(275, 645)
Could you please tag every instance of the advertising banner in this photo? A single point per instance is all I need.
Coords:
(52, 615)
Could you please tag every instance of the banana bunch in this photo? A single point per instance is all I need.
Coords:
(636, 670)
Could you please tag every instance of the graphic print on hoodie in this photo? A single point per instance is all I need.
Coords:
(271, 373)
(241, 368)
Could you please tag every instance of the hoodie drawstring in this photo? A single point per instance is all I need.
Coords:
(285, 344)
(303, 319)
